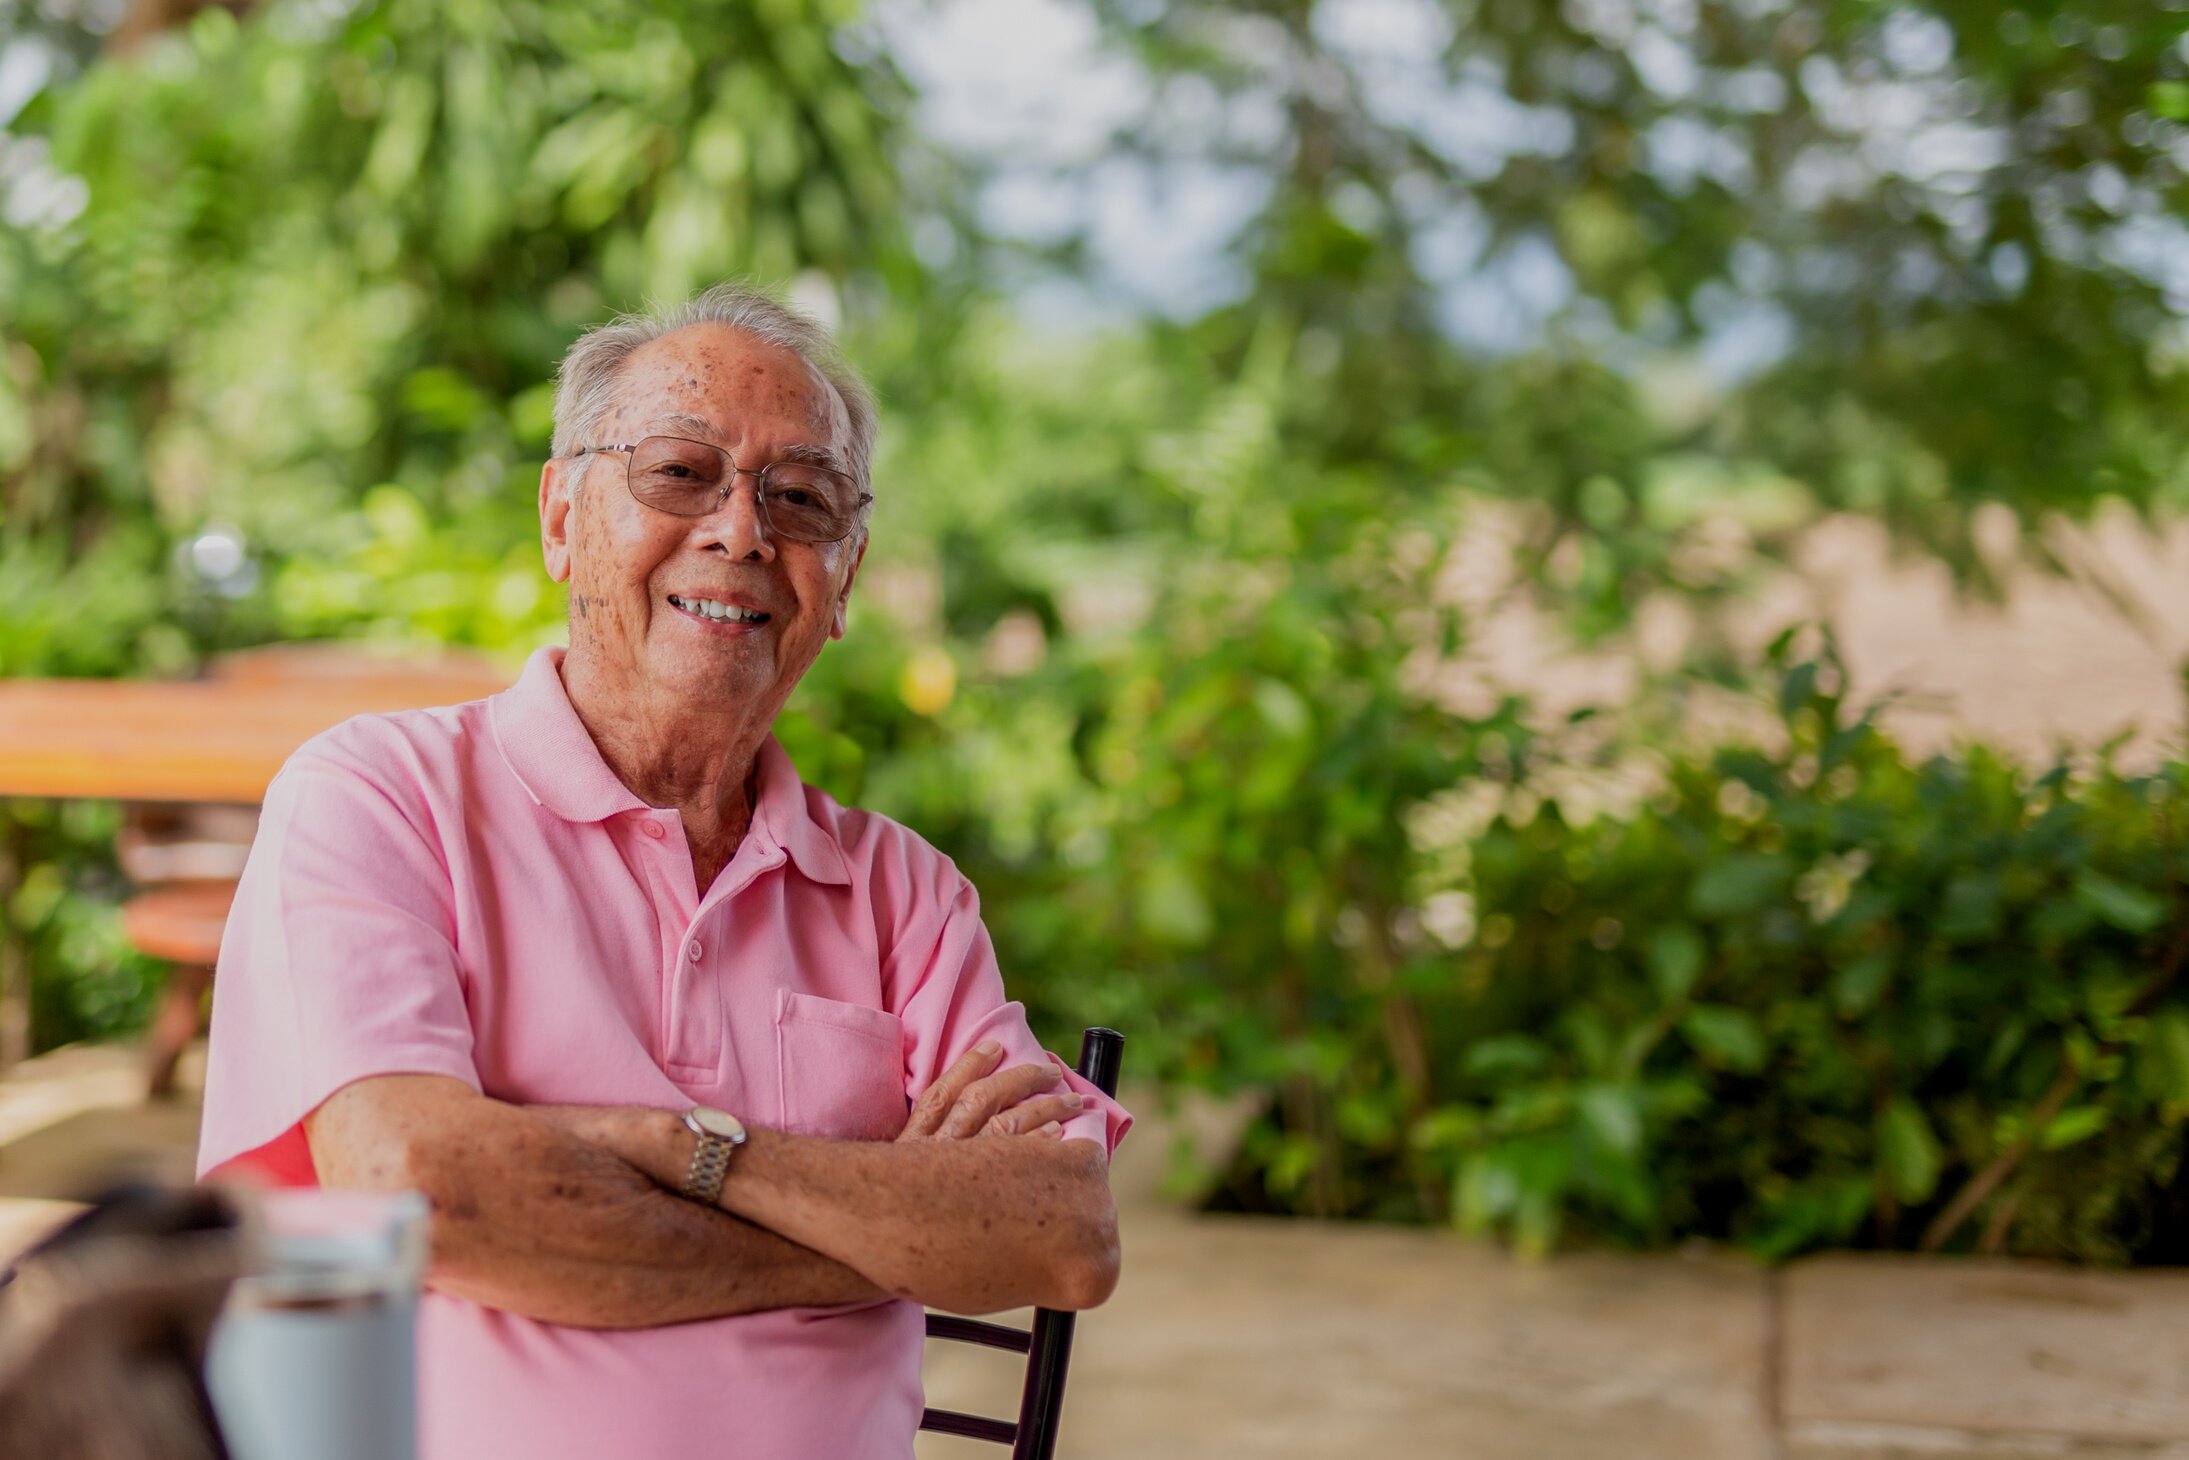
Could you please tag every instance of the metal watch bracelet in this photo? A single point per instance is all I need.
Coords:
(720, 1134)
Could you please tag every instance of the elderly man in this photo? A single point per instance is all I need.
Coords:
(711, 1082)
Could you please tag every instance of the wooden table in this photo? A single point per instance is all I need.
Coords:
(218, 739)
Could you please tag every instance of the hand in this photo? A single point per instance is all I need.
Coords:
(969, 1101)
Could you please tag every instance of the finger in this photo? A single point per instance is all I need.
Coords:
(937, 1099)
(1000, 1091)
(983, 1098)
(1028, 1115)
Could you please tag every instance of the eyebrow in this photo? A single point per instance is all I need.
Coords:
(681, 424)
(687, 425)
(815, 456)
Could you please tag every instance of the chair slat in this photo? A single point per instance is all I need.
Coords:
(1041, 1403)
(971, 1426)
(972, 1330)
(1049, 1347)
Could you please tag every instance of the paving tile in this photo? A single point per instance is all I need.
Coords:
(55, 1086)
(1814, 1441)
(1988, 1347)
(1243, 1336)
(75, 1120)
(1278, 1339)
(78, 1156)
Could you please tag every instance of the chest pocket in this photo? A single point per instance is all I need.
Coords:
(840, 1068)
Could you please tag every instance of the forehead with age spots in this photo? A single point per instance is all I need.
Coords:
(733, 384)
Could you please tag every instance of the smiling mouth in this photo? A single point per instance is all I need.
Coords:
(721, 613)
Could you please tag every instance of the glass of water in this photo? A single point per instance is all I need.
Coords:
(314, 1356)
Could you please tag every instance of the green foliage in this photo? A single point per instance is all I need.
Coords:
(310, 313)
(1830, 985)
(330, 250)
(1560, 984)
(58, 912)
(1857, 213)
(1156, 638)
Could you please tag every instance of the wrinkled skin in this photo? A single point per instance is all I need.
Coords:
(680, 706)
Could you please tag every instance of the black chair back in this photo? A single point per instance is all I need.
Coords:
(1048, 1348)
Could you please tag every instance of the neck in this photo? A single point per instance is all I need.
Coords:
(696, 759)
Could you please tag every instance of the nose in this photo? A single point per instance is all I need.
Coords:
(737, 524)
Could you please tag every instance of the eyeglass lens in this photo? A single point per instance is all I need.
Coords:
(809, 503)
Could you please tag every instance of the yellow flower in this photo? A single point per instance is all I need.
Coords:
(928, 682)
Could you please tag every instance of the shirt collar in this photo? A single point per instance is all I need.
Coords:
(783, 809)
(547, 748)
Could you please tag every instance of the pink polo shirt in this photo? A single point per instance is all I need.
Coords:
(471, 892)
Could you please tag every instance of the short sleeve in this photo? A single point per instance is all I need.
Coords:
(939, 969)
(338, 962)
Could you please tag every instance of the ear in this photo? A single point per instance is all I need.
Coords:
(558, 480)
(843, 600)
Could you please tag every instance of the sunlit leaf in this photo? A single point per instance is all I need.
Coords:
(1908, 1150)
(1725, 1036)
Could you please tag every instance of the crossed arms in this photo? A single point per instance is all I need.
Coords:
(568, 1214)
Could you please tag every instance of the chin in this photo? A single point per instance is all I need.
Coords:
(724, 681)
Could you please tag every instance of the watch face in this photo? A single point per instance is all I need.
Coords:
(718, 1123)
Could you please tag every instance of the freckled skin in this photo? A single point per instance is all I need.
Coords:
(535, 1219)
(564, 1213)
(971, 1225)
(679, 709)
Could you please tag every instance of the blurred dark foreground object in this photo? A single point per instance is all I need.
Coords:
(104, 1326)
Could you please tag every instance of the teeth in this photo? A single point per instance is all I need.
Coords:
(719, 612)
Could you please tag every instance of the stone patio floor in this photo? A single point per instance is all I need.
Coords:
(1244, 1336)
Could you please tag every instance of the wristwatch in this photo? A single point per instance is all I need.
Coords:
(720, 1133)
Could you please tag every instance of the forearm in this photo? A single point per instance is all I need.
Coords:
(531, 1218)
(636, 1259)
(973, 1226)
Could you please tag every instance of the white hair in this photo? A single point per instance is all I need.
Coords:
(585, 382)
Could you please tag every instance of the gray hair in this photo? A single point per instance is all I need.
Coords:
(585, 382)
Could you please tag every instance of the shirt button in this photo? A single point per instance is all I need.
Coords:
(693, 951)
(653, 829)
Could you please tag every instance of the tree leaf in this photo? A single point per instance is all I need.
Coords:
(1505, 1055)
(2165, 1061)
(1446, 1128)
(1725, 1036)
(1798, 688)
(1857, 983)
(1741, 883)
(1613, 1116)
(1908, 1150)
(2076, 1123)
(1971, 909)
(2131, 909)
(1675, 960)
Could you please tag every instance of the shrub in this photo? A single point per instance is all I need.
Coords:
(1801, 994)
